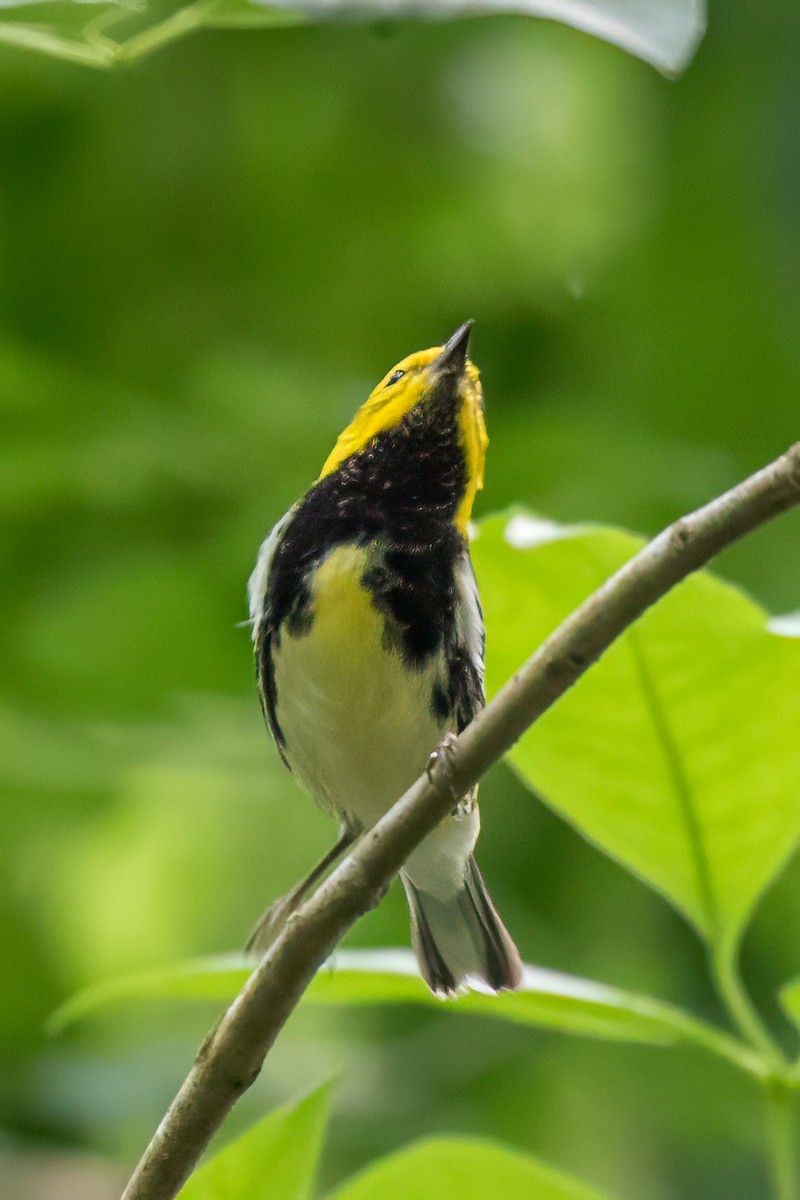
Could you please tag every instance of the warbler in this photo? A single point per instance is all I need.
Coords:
(369, 644)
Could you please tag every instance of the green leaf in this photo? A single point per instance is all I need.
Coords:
(678, 752)
(547, 999)
(218, 977)
(790, 999)
(275, 1157)
(787, 624)
(664, 33)
(461, 1169)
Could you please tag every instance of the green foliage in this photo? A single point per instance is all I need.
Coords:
(218, 977)
(665, 32)
(459, 1169)
(546, 999)
(790, 999)
(276, 1157)
(680, 744)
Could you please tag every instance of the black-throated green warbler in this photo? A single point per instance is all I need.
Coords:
(369, 643)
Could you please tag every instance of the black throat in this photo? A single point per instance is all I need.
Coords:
(397, 496)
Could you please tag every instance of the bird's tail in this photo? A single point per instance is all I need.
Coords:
(461, 939)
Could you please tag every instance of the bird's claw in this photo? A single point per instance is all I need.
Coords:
(440, 758)
(272, 922)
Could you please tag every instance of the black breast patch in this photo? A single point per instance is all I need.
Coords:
(414, 587)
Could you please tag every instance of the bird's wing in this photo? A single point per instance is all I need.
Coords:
(257, 585)
(467, 666)
(263, 630)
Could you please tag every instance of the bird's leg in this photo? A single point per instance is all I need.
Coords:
(272, 921)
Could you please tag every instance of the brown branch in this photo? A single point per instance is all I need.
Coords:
(232, 1055)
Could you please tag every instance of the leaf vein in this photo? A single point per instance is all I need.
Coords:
(680, 784)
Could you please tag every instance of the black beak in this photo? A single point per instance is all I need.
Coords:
(454, 354)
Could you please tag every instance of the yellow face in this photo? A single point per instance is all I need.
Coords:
(406, 385)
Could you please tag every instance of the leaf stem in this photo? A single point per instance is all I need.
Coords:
(780, 1134)
(173, 27)
(777, 1085)
(743, 1012)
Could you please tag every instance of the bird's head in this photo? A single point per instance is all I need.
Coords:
(441, 380)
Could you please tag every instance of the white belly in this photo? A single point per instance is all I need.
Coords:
(357, 724)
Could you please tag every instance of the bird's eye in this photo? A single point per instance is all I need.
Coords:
(393, 378)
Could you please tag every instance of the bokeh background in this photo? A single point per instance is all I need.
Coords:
(206, 261)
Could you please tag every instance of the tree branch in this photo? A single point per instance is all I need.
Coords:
(231, 1057)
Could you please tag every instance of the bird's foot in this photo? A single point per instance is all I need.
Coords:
(271, 923)
(441, 759)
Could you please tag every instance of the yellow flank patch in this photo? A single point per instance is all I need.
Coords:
(345, 618)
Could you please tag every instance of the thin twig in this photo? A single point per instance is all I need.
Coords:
(781, 1137)
(232, 1055)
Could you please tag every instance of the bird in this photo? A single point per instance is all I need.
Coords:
(369, 647)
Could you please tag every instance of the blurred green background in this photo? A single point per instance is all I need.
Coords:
(205, 264)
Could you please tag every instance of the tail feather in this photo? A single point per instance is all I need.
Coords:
(462, 938)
